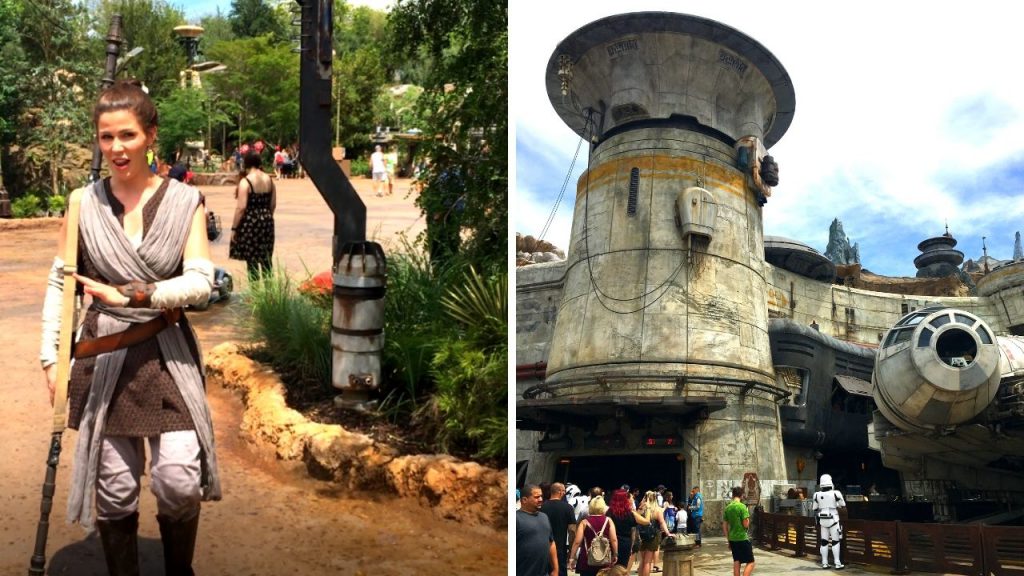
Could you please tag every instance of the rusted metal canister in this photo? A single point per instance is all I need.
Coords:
(357, 328)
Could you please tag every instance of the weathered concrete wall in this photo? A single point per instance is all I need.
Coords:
(862, 316)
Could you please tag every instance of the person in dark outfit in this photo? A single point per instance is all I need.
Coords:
(142, 256)
(626, 520)
(535, 543)
(563, 522)
(252, 230)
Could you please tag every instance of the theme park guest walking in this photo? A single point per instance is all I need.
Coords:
(651, 534)
(535, 544)
(827, 503)
(252, 230)
(626, 520)
(379, 168)
(143, 255)
(736, 522)
(696, 507)
(563, 522)
(588, 529)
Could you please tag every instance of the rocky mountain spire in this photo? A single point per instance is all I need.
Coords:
(839, 250)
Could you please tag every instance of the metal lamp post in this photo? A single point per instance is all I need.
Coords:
(188, 37)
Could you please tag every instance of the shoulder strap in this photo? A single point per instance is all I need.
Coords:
(67, 321)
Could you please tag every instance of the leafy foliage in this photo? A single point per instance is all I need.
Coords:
(480, 305)
(262, 80)
(53, 89)
(443, 366)
(465, 109)
(471, 395)
(359, 73)
(182, 118)
(27, 206)
(255, 18)
(295, 331)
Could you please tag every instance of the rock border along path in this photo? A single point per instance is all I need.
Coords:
(463, 491)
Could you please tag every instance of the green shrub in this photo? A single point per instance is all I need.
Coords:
(55, 204)
(27, 206)
(413, 328)
(295, 332)
(471, 398)
(481, 306)
(360, 167)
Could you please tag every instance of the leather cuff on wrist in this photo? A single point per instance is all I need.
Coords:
(139, 294)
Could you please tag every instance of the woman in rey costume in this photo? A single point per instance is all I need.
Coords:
(143, 255)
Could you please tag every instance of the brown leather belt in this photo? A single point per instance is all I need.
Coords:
(134, 334)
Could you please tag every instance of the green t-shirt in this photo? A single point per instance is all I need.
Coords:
(734, 514)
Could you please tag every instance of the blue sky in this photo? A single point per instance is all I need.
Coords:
(196, 9)
(907, 116)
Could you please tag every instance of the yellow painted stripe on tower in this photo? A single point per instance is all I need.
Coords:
(665, 167)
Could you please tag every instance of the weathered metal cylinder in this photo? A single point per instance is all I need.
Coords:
(357, 330)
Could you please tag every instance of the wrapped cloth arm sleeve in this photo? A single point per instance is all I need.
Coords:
(192, 287)
(52, 313)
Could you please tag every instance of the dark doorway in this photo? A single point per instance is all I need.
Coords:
(644, 471)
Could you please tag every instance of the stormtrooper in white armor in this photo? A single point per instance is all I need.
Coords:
(827, 502)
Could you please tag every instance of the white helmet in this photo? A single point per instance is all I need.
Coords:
(826, 481)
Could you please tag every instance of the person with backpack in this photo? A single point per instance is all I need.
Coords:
(596, 541)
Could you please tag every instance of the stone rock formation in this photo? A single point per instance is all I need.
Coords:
(530, 250)
(839, 250)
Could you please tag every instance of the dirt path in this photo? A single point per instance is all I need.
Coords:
(273, 519)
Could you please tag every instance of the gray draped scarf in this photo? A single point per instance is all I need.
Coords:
(157, 258)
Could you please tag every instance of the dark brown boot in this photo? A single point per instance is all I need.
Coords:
(121, 544)
(179, 540)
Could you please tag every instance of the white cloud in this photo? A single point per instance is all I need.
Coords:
(895, 103)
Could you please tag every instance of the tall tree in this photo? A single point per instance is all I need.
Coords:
(57, 89)
(252, 18)
(12, 65)
(465, 106)
(216, 28)
(360, 34)
(263, 79)
(185, 115)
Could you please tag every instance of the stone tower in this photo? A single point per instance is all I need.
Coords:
(664, 304)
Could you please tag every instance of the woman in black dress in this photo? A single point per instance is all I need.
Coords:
(252, 230)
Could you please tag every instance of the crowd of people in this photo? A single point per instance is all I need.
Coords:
(557, 525)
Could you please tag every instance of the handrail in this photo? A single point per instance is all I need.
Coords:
(904, 547)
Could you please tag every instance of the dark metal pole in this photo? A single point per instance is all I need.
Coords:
(114, 40)
(315, 122)
(37, 565)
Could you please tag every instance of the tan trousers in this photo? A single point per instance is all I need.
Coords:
(174, 475)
